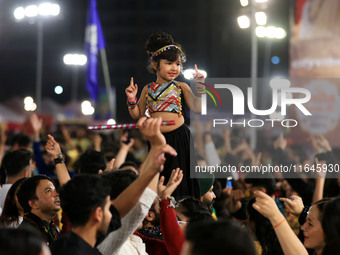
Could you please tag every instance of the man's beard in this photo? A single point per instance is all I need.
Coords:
(209, 204)
(102, 231)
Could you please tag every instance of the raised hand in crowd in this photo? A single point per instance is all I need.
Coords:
(324, 143)
(165, 191)
(120, 158)
(320, 178)
(293, 204)
(280, 142)
(152, 166)
(53, 148)
(289, 242)
(235, 197)
(320, 143)
(109, 166)
(256, 159)
(150, 128)
(36, 124)
(227, 143)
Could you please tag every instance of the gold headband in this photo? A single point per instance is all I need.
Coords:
(167, 47)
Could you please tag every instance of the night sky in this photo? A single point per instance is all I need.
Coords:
(207, 30)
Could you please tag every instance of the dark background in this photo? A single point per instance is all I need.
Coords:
(207, 30)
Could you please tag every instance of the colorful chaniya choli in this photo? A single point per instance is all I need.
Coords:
(164, 97)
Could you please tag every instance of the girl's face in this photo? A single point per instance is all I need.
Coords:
(167, 70)
(312, 231)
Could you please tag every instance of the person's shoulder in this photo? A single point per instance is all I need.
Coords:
(30, 227)
(72, 244)
(146, 86)
(26, 224)
(182, 84)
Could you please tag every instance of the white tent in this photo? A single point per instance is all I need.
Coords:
(7, 115)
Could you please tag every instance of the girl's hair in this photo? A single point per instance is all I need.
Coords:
(264, 231)
(194, 209)
(157, 41)
(10, 212)
(331, 225)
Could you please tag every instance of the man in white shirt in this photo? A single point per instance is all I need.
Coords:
(17, 164)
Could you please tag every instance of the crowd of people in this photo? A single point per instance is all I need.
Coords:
(72, 191)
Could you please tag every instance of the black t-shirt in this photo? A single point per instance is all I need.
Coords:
(72, 244)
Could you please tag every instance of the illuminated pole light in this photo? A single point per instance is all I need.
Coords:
(87, 108)
(260, 31)
(31, 11)
(28, 100)
(270, 32)
(29, 104)
(189, 73)
(111, 122)
(243, 22)
(55, 10)
(19, 13)
(280, 33)
(58, 90)
(46, 9)
(261, 18)
(244, 3)
(75, 59)
(30, 107)
(34, 12)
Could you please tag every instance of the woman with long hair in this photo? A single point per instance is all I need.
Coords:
(331, 227)
(12, 213)
(315, 235)
(263, 230)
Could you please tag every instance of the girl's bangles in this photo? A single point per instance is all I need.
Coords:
(124, 125)
(131, 102)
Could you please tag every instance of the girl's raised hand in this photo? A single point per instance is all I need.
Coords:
(131, 91)
(198, 78)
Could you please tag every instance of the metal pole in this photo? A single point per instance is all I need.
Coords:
(74, 84)
(39, 63)
(107, 82)
(253, 70)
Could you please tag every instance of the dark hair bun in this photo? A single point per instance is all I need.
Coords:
(157, 41)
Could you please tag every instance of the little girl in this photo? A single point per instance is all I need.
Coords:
(163, 98)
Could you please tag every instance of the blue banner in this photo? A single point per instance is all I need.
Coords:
(94, 42)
